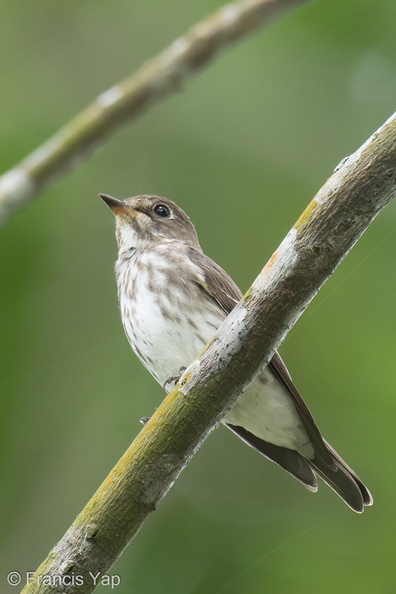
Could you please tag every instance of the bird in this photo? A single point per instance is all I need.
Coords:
(172, 299)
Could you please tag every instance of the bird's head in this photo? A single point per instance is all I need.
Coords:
(143, 222)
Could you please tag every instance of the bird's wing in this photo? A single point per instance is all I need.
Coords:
(218, 285)
(215, 281)
(279, 369)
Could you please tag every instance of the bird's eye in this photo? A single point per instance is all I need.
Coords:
(162, 211)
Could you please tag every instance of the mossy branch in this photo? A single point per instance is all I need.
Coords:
(338, 215)
(157, 78)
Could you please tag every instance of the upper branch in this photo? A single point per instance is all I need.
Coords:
(322, 236)
(155, 79)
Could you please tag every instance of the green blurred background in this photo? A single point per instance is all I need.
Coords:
(242, 148)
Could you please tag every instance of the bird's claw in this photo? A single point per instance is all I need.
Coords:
(174, 378)
(145, 420)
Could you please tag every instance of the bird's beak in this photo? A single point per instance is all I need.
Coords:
(117, 206)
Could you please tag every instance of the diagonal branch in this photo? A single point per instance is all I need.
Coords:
(155, 79)
(335, 219)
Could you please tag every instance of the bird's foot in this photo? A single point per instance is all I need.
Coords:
(174, 378)
(145, 420)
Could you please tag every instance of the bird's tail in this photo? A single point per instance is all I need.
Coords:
(338, 475)
(343, 480)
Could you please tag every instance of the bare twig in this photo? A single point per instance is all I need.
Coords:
(334, 220)
(155, 79)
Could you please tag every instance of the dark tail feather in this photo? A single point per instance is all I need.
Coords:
(344, 481)
(339, 477)
(290, 460)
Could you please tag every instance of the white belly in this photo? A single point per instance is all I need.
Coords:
(267, 410)
(166, 329)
